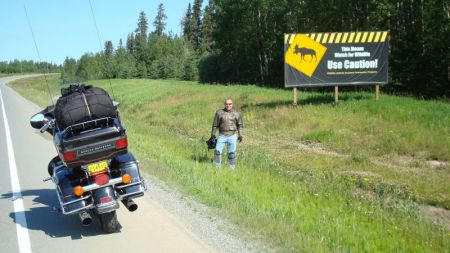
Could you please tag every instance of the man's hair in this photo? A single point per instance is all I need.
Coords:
(228, 98)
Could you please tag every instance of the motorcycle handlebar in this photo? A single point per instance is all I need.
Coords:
(47, 124)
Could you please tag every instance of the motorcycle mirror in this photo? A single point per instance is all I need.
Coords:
(37, 120)
(115, 103)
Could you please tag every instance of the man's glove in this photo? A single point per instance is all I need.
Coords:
(240, 138)
(211, 142)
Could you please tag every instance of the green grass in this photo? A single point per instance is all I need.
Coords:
(7, 74)
(315, 178)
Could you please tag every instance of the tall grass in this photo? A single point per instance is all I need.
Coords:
(314, 178)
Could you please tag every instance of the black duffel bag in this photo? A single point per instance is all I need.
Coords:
(80, 103)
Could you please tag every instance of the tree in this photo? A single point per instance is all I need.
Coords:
(207, 29)
(196, 23)
(120, 44)
(140, 45)
(89, 67)
(68, 70)
(108, 55)
(24, 66)
(130, 43)
(188, 31)
(436, 48)
(142, 28)
(239, 41)
(235, 41)
(159, 22)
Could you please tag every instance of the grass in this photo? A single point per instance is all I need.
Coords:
(7, 74)
(315, 178)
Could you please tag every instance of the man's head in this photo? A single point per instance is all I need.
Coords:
(228, 104)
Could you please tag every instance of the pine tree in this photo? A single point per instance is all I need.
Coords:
(207, 29)
(69, 68)
(130, 43)
(109, 50)
(187, 24)
(140, 45)
(196, 24)
(108, 54)
(142, 28)
(120, 44)
(159, 21)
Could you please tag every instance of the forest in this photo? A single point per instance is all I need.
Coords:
(29, 66)
(241, 42)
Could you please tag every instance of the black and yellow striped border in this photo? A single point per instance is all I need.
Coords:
(345, 37)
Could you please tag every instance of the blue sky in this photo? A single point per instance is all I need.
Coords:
(66, 28)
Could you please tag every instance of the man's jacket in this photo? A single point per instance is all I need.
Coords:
(228, 122)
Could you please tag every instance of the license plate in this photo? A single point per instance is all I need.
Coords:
(96, 168)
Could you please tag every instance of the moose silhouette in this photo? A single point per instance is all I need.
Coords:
(303, 51)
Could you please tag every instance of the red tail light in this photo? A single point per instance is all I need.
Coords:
(101, 179)
(122, 143)
(69, 156)
(106, 199)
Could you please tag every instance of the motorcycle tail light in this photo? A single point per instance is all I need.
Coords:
(122, 143)
(126, 178)
(106, 199)
(78, 191)
(69, 156)
(101, 179)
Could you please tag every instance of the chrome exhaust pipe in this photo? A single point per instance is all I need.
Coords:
(86, 218)
(130, 205)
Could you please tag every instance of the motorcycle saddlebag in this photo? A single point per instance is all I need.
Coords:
(127, 164)
(66, 180)
(83, 103)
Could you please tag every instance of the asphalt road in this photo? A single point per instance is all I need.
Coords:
(28, 217)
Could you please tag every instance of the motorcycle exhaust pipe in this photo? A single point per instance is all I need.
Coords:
(86, 218)
(130, 205)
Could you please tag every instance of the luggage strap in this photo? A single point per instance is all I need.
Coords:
(87, 106)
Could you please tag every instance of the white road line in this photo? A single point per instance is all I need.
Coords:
(23, 238)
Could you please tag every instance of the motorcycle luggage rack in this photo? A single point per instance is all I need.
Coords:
(89, 125)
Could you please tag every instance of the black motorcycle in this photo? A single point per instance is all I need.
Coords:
(94, 169)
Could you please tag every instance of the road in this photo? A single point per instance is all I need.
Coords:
(28, 217)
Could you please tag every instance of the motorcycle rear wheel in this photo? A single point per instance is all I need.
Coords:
(109, 222)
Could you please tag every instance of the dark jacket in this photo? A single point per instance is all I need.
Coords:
(228, 122)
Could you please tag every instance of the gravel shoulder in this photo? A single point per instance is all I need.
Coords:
(217, 233)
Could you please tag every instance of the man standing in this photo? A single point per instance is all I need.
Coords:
(229, 122)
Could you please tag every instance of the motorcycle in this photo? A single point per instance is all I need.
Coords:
(94, 170)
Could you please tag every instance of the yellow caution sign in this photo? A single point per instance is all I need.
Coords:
(304, 54)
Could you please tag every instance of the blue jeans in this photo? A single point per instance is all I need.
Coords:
(231, 149)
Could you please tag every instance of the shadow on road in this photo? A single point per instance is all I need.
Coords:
(49, 220)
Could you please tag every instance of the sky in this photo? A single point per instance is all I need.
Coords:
(65, 28)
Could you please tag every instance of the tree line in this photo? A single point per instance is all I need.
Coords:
(24, 66)
(145, 54)
(241, 41)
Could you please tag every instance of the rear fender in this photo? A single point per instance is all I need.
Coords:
(105, 199)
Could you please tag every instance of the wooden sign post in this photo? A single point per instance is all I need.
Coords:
(377, 92)
(295, 96)
(336, 94)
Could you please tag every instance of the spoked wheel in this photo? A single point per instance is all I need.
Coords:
(109, 222)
